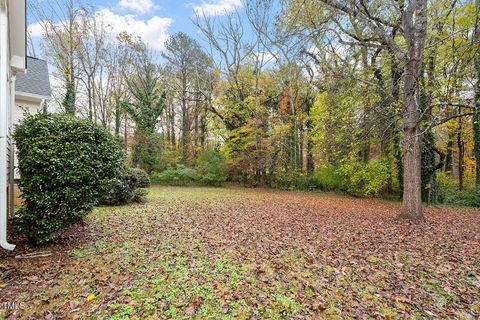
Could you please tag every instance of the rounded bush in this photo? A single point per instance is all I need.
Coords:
(118, 192)
(122, 189)
(65, 163)
(142, 178)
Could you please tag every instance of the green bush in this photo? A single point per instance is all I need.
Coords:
(123, 188)
(169, 158)
(65, 163)
(365, 179)
(118, 192)
(454, 197)
(293, 181)
(180, 176)
(282, 181)
(211, 167)
(139, 195)
(329, 179)
(449, 194)
(142, 179)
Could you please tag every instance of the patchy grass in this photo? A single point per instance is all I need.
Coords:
(210, 253)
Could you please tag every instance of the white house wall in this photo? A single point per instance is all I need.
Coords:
(22, 107)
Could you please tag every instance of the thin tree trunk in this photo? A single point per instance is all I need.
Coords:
(203, 125)
(461, 154)
(118, 117)
(172, 126)
(185, 126)
(89, 93)
(309, 127)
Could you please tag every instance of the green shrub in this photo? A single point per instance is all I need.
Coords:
(65, 163)
(118, 192)
(449, 194)
(293, 181)
(454, 197)
(169, 158)
(282, 181)
(179, 176)
(329, 179)
(141, 177)
(139, 195)
(365, 179)
(211, 167)
(122, 189)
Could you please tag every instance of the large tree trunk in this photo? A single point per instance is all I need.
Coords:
(476, 117)
(414, 22)
(412, 142)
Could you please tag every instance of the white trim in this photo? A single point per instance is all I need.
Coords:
(5, 103)
(32, 97)
(17, 63)
(17, 34)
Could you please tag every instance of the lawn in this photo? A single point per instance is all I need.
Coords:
(252, 253)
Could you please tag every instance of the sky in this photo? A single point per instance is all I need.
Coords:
(152, 20)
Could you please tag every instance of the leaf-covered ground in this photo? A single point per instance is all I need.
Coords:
(248, 254)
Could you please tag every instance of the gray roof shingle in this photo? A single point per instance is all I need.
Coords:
(36, 80)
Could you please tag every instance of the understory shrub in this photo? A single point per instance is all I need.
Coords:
(449, 194)
(65, 163)
(123, 188)
(365, 179)
(209, 170)
(328, 178)
(179, 176)
(169, 158)
(282, 181)
(454, 197)
(211, 167)
(293, 181)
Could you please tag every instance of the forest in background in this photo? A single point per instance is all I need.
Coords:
(372, 98)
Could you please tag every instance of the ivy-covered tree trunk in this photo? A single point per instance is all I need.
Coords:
(310, 162)
(461, 154)
(69, 99)
(429, 181)
(118, 117)
(396, 150)
(476, 117)
(449, 157)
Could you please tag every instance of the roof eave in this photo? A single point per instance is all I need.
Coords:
(31, 96)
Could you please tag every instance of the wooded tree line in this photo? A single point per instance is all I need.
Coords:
(373, 98)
